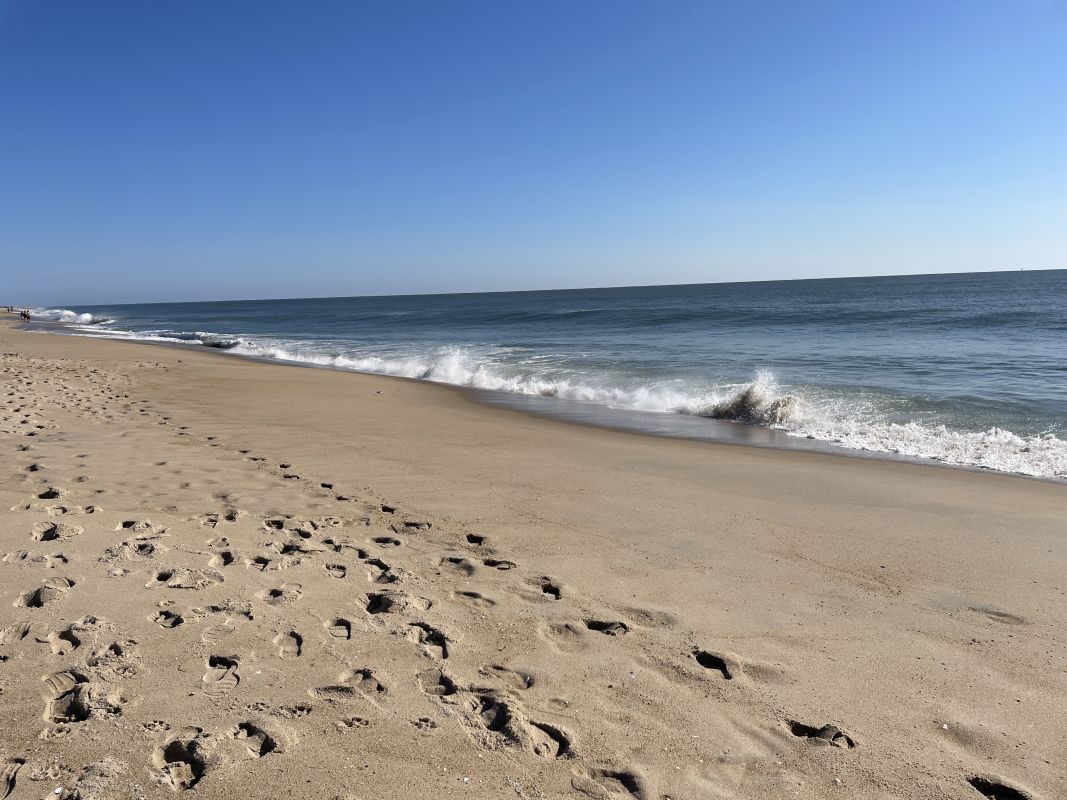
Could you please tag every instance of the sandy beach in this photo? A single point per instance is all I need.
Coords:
(235, 579)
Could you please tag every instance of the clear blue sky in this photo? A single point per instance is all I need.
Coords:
(208, 149)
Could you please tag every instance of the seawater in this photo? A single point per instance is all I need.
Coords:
(964, 369)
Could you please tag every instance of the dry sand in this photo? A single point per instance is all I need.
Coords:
(243, 580)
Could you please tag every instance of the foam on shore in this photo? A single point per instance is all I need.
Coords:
(849, 420)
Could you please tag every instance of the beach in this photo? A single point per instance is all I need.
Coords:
(227, 578)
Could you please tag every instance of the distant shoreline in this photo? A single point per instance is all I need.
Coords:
(1036, 270)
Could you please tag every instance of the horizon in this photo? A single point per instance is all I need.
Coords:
(546, 290)
(362, 150)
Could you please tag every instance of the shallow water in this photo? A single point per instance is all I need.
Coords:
(963, 369)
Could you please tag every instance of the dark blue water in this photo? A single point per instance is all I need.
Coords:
(965, 369)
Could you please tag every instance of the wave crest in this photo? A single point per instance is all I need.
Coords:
(758, 403)
(841, 418)
(61, 315)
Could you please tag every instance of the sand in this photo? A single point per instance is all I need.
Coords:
(231, 579)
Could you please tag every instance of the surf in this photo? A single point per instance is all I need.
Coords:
(903, 367)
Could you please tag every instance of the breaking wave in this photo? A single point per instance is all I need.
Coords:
(836, 417)
(64, 315)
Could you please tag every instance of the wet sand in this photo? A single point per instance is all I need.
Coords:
(236, 579)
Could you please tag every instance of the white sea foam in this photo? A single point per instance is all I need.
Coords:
(61, 315)
(1043, 455)
(798, 412)
(838, 418)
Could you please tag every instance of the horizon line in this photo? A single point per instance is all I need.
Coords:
(573, 288)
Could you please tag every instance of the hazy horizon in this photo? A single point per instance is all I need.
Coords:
(75, 305)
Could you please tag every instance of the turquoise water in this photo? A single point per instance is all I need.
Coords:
(963, 369)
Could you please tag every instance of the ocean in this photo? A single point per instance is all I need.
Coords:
(965, 369)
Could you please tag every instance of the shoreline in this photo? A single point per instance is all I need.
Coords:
(564, 611)
(743, 434)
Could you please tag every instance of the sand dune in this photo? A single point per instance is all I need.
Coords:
(227, 579)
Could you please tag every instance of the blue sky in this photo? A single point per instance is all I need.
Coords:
(210, 150)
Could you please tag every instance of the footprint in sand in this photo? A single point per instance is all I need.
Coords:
(435, 682)
(59, 683)
(339, 628)
(604, 783)
(167, 619)
(185, 578)
(117, 658)
(553, 590)
(59, 511)
(140, 526)
(351, 724)
(50, 591)
(9, 770)
(218, 632)
(433, 641)
(292, 549)
(513, 679)
(474, 599)
(54, 531)
(336, 570)
(62, 642)
(409, 526)
(339, 543)
(71, 705)
(609, 628)
(221, 676)
(295, 711)
(457, 565)
(54, 560)
(352, 685)
(286, 593)
(716, 663)
(504, 719)
(549, 741)
(289, 644)
(384, 602)
(829, 735)
(134, 550)
(564, 634)
(258, 562)
(993, 789)
(180, 759)
(379, 572)
(17, 632)
(395, 602)
(544, 588)
(222, 558)
(257, 740)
